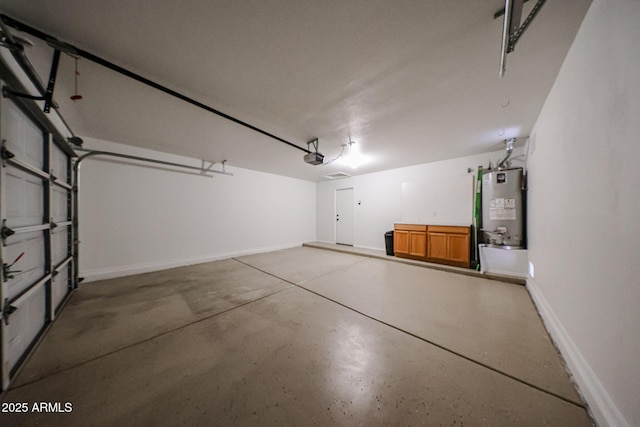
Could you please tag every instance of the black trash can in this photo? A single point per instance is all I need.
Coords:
(388, 241)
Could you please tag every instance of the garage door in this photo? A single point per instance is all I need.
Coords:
(36, 252)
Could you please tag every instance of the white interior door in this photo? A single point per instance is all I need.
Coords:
(344, 216)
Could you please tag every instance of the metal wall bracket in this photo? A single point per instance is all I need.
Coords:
(512, 30)
(12, 93)
(48, 97)
(519, 30)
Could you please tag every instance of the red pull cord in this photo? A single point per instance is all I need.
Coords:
(18, 259)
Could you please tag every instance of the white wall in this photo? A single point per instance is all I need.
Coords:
(383, 202)
(584, 211)
(142, 218)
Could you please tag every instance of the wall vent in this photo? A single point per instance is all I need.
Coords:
(336, 175)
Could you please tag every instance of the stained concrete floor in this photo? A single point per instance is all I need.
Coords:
(302, 336)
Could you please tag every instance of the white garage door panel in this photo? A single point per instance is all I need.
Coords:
(59, 245)
(23, 138)
(60, 287)
(59, 164)
(36, 213)
(23, 198)
(24, 325)
(59, 205)
(31, 265)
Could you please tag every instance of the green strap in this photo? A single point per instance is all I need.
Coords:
(477, 214)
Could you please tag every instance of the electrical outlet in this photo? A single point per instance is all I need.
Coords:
(531, 270)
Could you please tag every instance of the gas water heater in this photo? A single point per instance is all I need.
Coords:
(503, 208)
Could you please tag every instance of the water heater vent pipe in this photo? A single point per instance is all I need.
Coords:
(502, 162)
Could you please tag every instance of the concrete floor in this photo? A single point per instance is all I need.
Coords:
(381, 254)
(302, 336)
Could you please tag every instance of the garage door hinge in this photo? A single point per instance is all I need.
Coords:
(5, 153)
(5, 232)
(7, 272)
(7, 310)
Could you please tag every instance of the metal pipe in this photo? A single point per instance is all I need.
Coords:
(61, 184)
(509, 143)
(100, 61)
(24, 294)
(505, 36)
(63, 264)
(31, 228)
(27, 168)
(91, 153)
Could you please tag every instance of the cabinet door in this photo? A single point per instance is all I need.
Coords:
(401, 242)
(418, 243)
(458, 247)
(437, 245)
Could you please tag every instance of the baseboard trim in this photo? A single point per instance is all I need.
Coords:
(600, 404)
(129, 270)
(370, 248)
(353, 246)
(326, 241)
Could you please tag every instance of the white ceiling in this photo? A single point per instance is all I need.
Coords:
(410, 81)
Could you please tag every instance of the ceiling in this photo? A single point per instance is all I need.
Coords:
(410, 81)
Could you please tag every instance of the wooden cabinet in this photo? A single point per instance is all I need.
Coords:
(433, 243)
(448, 245)
(418, 244)
(437, 245)
(410, 241)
